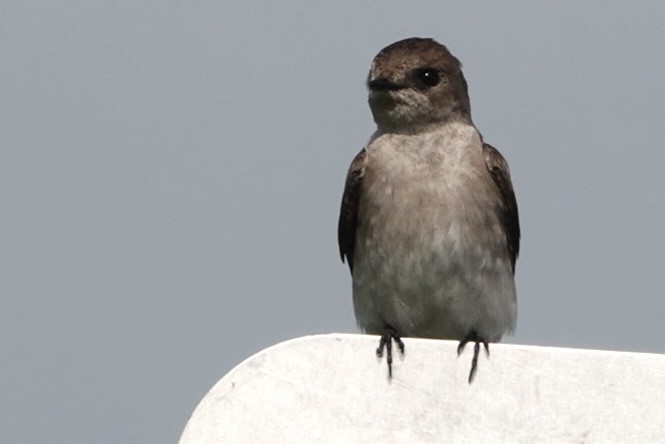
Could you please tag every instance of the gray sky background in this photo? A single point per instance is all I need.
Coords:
(171, 173)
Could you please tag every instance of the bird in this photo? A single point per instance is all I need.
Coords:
(428, 224)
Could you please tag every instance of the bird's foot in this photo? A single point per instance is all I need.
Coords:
(473, 337)
(389, 335)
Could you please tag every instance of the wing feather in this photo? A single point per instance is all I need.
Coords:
(348, 215)
(498, 169)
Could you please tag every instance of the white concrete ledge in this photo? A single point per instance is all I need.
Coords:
(333, 389)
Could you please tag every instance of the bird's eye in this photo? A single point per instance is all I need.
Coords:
(430, 77)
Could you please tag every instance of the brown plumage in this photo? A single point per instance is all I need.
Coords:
(428, 223)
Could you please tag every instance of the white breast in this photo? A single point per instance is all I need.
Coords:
(431, 256)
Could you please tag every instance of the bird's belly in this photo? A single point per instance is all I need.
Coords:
(437, 273)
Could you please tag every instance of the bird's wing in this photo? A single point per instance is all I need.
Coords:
(348, 215)
(498, 169)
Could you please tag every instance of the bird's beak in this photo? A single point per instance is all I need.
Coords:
(381, 84)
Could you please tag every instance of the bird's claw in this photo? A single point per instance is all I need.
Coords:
(389, 335)
(473, 337)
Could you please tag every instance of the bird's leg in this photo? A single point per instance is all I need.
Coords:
(389, 335)
(473, 337)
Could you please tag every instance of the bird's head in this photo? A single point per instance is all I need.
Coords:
(414, 84)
